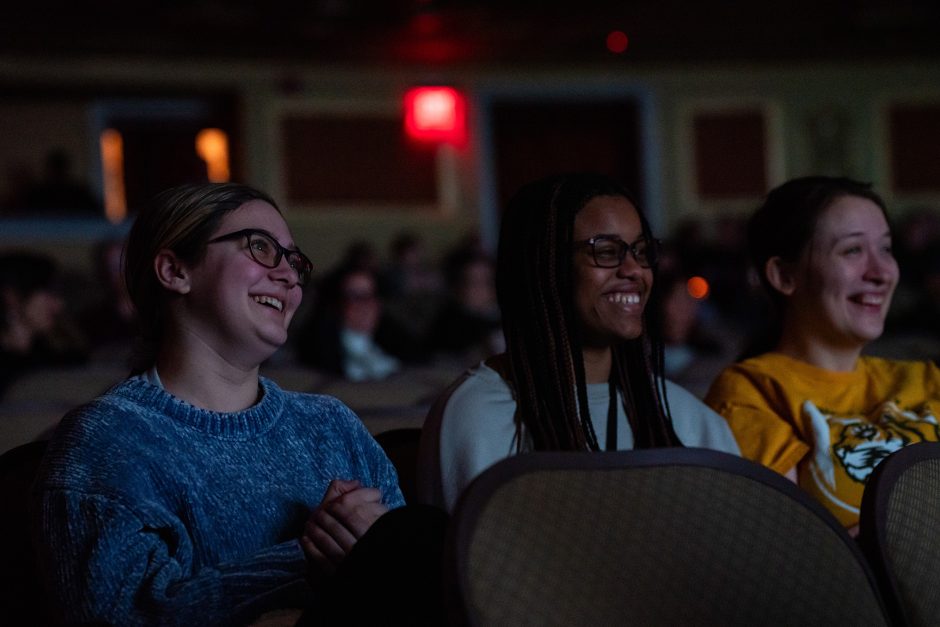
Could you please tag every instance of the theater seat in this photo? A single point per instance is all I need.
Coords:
(900, 532)
(401, 446)
(20, 589)
(659, 537)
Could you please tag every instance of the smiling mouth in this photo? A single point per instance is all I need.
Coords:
(270, 301)
(869, 300)
(623, 298)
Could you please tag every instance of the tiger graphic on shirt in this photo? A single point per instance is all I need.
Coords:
(846, 449)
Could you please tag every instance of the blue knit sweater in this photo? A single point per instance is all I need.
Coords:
(152, 511)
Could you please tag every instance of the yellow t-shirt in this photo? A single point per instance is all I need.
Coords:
(836, 426)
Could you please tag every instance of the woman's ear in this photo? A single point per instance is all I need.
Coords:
(171, 272)
(779, 274)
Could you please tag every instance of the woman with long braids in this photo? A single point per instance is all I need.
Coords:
(575, 269)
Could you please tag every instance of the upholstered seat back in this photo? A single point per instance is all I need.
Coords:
(900, 531)
(661, 537)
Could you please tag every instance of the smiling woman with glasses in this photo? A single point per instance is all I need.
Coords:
(581, 371)
(197, 491)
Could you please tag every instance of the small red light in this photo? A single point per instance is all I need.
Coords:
(697, 287)
(426, 24)
(617, 41)
(436, 114)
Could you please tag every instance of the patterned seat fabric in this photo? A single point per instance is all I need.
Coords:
(660, 537)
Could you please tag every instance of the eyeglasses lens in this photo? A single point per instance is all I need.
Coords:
(268, 253)
(611, 253)
(263, 249)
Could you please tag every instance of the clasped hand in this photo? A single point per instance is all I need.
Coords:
(342, 517)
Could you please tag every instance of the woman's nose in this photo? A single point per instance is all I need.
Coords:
(628, 265)
(881, 267)
(284, 273)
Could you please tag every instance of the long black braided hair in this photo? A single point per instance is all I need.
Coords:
(544, 364)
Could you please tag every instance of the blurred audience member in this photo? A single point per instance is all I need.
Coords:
(917, 233)
(361, 255)
(348, 333)
(692, 351)
(725, 266)
(110, 323)
(468, 325)
(35, 329)
(688, 244)
(679, 311)
(918, 321)
(408, 273)
(57, 191)
(19, 179)
(916, 248)
(410, 287)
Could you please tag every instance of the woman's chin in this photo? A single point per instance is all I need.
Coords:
(869, 333)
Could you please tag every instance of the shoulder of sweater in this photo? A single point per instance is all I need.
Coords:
(102, 407)
(317, 402)
(320, 411)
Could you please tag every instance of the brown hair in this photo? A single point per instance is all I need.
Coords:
(783, 226)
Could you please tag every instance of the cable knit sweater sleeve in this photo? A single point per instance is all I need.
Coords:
(152, 511)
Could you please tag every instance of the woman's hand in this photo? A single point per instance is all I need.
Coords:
(343, 516)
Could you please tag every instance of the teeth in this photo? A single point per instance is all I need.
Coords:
(872, 299)
(622, 298)
(270, 300)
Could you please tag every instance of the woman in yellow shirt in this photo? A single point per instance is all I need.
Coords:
(812, 407)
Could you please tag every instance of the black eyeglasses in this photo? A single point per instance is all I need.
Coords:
(609, 251)
(266, 251)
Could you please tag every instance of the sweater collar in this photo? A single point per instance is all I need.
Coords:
(241, 424)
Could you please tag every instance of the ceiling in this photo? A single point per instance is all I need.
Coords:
(476, 32)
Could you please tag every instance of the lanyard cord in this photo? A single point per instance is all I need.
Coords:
(611, 444)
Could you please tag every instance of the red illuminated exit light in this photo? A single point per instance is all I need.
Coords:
(436, 114)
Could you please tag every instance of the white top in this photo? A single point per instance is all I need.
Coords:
(363, 359)
(471, 427)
